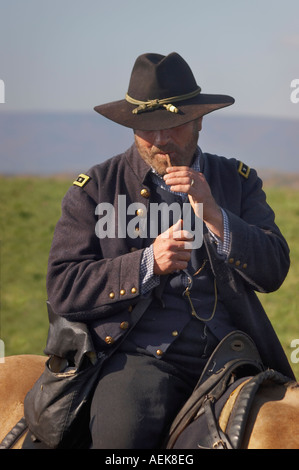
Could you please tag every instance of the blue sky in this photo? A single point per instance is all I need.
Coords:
(70, 55)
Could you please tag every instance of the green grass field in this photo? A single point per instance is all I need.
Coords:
(29, 210)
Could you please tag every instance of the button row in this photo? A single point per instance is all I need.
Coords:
(122, 292)
(237, 263)
(159, 352)
(124, 325)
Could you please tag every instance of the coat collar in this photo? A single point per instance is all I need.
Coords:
(137, 164)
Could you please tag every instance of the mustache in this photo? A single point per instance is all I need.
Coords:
(162, 149)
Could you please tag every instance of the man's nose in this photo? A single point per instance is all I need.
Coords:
(161, 137)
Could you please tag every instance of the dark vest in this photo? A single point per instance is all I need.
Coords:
(169, 318)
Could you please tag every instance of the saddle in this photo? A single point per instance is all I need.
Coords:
(215, 415)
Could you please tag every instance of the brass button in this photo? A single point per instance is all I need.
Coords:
(238, 263)
(140, 212)
(133, 290)
(109, 340)
(122, 292)
(159, 352)
(130, 308)
(231, 260)
(133, 249)
(124, 325)
(244, 266)
(145, 193)
(175, 333)
(111, 295)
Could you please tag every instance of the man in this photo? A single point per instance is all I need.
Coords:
(99, 272)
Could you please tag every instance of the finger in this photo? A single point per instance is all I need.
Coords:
(182, 235)
(178, 176)
(182, 256)
(183, 179)
(180, 245)
(175, 173)
(188, 246)
(174, 228)
(183, 182)
(175, 169)
(182, 188)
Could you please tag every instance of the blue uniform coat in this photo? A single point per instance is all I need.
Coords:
(98, 280)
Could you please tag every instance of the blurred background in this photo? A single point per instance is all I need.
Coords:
(59, 59)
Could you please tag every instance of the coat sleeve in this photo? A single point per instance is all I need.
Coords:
(81, 280)
(258, 252)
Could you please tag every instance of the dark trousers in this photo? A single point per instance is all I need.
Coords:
(135, 402)
(138, 396)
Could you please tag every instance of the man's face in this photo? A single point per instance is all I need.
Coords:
(179, 143)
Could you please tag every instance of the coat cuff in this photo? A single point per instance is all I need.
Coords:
(148, 280)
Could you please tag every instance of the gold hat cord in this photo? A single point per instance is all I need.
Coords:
(150, 105)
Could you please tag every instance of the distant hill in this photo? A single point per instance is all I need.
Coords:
(48, 143)
(263, 143)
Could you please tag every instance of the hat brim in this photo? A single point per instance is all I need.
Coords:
(159, 119)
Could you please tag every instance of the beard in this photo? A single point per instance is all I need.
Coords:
(160, 157)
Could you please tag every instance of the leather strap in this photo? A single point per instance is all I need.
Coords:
(220, 441)
(14, 435)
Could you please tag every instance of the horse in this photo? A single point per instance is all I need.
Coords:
(272, 422)
(17, 376)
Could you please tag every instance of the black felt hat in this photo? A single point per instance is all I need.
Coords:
(162, 94)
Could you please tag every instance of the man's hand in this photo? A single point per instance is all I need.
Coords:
(185, 180)
(172, 249)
